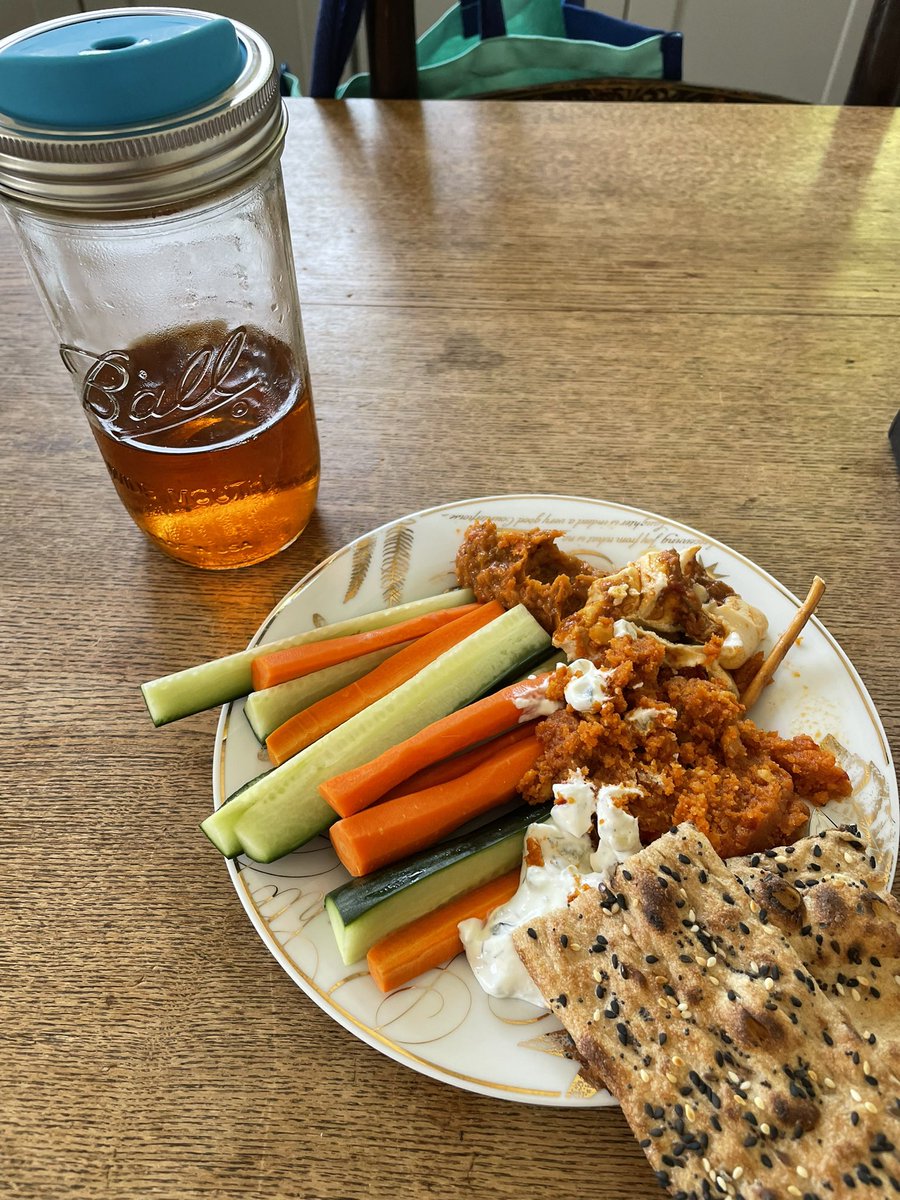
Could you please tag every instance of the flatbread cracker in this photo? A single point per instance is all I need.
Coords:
(738, 1075)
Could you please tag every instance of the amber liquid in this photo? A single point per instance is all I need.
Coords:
(210, 438)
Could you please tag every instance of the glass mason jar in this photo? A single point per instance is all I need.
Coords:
(158, 241)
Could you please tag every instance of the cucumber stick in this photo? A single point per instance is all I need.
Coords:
(365, 910)
(271, 707)
(286, 808)
(223, 679)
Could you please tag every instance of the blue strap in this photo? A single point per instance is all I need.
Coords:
(336, 31)
(482, 17)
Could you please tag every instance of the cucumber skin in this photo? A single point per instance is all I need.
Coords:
(361, 911)
(209, 684)
(220, 829)
(302, 810)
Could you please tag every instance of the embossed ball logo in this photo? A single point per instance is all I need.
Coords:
(115, 394)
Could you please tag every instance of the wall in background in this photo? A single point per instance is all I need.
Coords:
(799, 49)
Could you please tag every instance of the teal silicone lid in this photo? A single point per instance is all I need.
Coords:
(119, 69)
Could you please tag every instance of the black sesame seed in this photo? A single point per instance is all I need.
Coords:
(622, 1031)
(854, 1118)
(728, 898)
(683, 858)
(806, 931)
(763, 915)
(765, 1160)
(662, 1039)
(532, 933)
(626, 874)
(716, 1124)
(656, 1131)
(827, 1038)
(562, 999)
(703, 877)
(564, 940)
(743, 928)
(750, 1141)
(651, 958)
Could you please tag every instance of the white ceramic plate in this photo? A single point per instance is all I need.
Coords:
(443, 1025)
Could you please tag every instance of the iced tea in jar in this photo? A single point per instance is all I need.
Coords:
(139, 167)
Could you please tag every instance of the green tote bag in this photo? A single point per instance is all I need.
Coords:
(485, 46)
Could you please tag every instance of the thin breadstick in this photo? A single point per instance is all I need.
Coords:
(754, 688)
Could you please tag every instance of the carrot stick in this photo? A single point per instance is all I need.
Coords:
(397, 828)
(302, 729)
(355, 790)
(452, 768)
(282, 665)
(434, 938)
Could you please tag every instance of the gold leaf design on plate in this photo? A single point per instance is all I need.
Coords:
(359, 566)
(580, 1089)
(427, 1011)
(395, 559)
(558, 1044)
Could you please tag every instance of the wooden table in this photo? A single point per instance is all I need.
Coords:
(689, 309)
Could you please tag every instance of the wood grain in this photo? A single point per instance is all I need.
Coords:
(692, 310)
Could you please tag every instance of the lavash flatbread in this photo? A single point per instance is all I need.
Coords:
(737, 1073)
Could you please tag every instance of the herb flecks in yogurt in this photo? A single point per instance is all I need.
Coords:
(560, 860)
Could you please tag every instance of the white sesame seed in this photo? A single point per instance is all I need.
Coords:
(793, 1190)
(645, 1075)
(699, 960)
(854, 1095)
(682, 893)
(597, 1015)
(720, 1182)
(682, 1007)
(714, 979)
(829, 1082)
(677, 1060)
(839, 989)
(739, 1099)
(692, 916)
(758, 1102)
(744, 1084)
(856, 994)
(848, 857)
(754, 966)
(711, 961)
(813, 1076)
(598, 975)
(737, 1172)
(802, 1172)
(897, 980)
(769, 983)
(754, 907)
(706, 1165)
(870, 1107)
(662, 1001)
(574, 946)
(734, 1078)
(671, 1078)
(626, 929)
(690, 1112)
(867, 1070)
(695, 929)
(765, 1129)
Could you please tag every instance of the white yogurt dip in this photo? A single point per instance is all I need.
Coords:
(567, 863)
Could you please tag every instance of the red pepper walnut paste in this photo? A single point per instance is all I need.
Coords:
(679, 736)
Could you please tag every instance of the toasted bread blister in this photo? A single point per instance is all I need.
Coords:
(738, 1073)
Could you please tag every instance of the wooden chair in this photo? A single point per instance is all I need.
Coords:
(391, 41)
